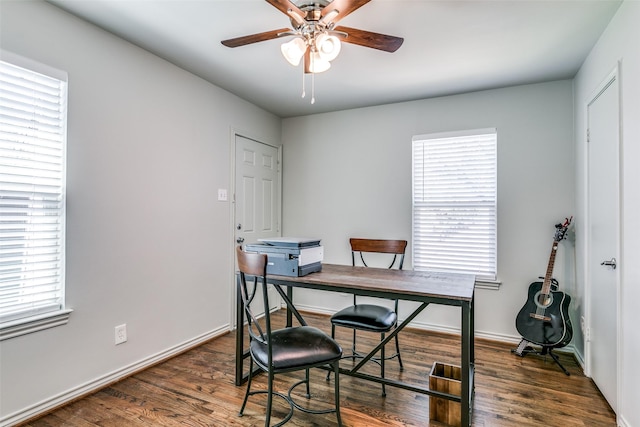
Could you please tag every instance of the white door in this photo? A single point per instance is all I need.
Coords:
(257, 191)
(603, 237)
(257, 195)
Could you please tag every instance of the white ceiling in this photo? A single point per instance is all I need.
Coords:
(450, 46)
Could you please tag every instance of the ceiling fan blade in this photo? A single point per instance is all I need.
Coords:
(369, 39)
(343, 7)
(288, 8)
(254, 38)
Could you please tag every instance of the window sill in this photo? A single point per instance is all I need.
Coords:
(28, 325)
(490, 285)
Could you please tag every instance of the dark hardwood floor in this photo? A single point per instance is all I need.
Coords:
(197, 388)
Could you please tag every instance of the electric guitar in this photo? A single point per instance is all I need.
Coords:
(544, 319)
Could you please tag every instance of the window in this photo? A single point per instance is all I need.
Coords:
(32, 195)
(454, 203)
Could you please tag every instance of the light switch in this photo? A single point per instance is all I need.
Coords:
(222, 194)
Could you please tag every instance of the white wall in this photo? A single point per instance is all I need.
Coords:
(147, 244)
(348, 174)
(618, 43)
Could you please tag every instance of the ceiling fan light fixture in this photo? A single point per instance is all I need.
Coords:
(328, 47)
(294, 50)
(317, 64)
(314, 30)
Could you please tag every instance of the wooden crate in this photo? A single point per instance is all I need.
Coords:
(446, 379)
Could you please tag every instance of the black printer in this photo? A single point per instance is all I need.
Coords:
(290, 256)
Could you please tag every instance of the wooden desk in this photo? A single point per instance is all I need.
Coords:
(419, 286)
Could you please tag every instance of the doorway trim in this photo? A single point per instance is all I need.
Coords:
(233, 134)
(611, 77)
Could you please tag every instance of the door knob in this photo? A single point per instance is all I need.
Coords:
(611, 263)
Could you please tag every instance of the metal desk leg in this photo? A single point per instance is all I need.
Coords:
(239, 333)
(289, 313)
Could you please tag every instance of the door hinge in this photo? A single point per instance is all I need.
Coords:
(587, 335)
(588, 135)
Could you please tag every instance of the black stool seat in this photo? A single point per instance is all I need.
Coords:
(295, 348)
(367, 317)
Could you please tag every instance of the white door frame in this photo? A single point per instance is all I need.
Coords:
(614, 75)
(232, 209)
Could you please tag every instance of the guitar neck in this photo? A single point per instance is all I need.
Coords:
(546, 286)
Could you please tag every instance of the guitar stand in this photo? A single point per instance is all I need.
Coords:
(524, 348)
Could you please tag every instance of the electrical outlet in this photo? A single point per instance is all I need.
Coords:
(121, 334)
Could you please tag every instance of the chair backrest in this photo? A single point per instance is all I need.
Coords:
(382, 246)
(255, 266)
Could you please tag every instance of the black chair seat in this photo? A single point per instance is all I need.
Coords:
(293, 348)
(366, 317)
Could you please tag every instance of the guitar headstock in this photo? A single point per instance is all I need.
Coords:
(562, 228)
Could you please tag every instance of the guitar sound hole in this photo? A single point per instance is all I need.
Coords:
(543, 300)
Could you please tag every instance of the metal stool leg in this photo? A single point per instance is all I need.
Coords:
(267, 419)
(246, 395)
(336, 369)
(384, 391)
(333, 335)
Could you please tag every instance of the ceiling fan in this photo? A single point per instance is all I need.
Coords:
(317, 39)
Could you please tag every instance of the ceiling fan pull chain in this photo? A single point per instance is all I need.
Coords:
(313, 80)
(303, 91)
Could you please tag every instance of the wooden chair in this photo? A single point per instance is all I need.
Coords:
(372, 317)
(282, 350)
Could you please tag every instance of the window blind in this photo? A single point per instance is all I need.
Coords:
(454, 203)
(32, 182)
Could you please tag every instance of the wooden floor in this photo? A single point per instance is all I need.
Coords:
(197, 389)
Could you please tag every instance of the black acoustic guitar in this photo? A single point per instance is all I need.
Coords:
(544, 319)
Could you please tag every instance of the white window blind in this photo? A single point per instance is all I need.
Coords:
(454, 203)
(32, 184)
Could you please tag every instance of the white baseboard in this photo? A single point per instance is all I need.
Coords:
(622, 422)
(100, 382)
(579, 358)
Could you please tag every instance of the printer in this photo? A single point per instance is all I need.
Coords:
(290, 256)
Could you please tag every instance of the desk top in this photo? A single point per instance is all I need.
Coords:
(402, 284)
